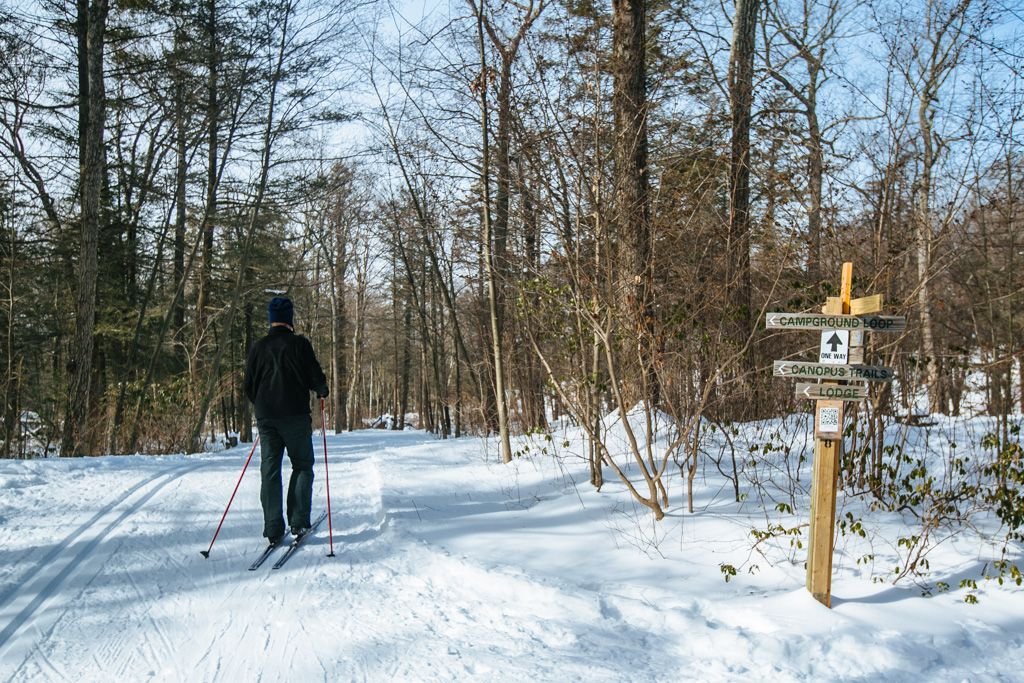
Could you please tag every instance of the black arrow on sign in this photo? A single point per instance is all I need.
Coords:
(835, 342)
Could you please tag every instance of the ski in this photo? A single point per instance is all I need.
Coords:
(297, 541)
(263, 556)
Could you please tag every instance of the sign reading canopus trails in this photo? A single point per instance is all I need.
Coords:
(824, 321)
(839, 392)
(870, 373)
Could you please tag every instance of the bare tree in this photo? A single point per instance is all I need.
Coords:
(482, 86)
(806, 40)
(929, 55)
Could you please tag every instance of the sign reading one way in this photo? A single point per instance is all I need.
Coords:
(835, 347)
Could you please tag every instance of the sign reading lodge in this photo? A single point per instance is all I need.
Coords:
(839, 392)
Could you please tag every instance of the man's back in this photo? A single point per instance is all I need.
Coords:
(281, 371)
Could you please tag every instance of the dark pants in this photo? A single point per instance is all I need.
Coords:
(295, 434)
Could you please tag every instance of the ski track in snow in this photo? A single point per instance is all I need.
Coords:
(68, 565)
(69, 569)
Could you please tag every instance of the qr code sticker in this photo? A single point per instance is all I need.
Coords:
(828, 419)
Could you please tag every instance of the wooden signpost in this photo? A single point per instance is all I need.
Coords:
(842, 322)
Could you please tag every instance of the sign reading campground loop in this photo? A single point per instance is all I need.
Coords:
(824, 321)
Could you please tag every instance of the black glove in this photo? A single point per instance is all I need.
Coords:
(322, 392)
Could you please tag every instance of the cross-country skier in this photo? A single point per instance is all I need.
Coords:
(279, 374)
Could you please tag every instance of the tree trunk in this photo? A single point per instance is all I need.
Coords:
(10, 373)
(815, 173)
(244, 407)
(406, 367)
(741, 95)
(180, 180)
(91, 26)
(213, 122)
(631, 200)
(923, 246)
(359, 325)
(490, 268)
(339, 323)
(532, 386)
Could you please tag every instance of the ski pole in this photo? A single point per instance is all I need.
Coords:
(327, 476)
(206, 553)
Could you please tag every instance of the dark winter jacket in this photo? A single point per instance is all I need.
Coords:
(280, 372)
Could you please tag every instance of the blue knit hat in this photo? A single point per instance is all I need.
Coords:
(280, 310)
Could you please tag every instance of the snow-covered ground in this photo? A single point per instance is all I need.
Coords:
(452, 567)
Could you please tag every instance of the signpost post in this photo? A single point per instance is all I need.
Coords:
(825, 470)
(842, 322)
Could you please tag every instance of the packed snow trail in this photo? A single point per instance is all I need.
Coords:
(75, 554)
(449, 567)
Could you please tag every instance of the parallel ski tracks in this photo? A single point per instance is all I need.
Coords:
(44, 580)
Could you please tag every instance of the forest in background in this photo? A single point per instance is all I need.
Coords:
(496, 213)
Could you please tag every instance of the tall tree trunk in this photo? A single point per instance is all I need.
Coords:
(406, 367)
(359, 326)
(631, 200)
(507, 49)
(91, 26)
(532, 386)
(815, 174)
(10, 406)
(741, 96)
(244, 407)
(180, 180)
(946, 37)
(923, 247)
(212, 174)
(339, 320)
(490, 275)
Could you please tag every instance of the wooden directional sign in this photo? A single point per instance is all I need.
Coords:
(824, 321)
(866, 304)
(795, 368)
(839, 392)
